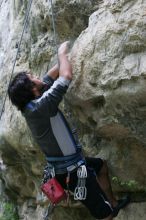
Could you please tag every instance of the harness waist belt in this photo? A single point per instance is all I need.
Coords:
(66, 163)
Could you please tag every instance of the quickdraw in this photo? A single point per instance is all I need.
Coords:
(80, 192)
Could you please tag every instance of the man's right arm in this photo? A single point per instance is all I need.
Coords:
(50, 99)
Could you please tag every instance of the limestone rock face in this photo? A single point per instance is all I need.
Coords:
(108, 90)
(107, 94)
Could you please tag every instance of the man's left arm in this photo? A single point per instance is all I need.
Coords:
(54, 72)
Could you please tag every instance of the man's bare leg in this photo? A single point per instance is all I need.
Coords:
(108, 218)
(104, 182)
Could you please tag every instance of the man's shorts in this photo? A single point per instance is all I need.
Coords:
(96, 200)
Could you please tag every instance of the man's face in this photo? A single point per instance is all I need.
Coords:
(38, 84)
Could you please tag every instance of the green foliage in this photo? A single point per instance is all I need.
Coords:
(9, 212)
(131, 184)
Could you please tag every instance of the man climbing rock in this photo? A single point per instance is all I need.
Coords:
(38, 101)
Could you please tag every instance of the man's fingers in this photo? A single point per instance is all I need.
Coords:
(63, 47)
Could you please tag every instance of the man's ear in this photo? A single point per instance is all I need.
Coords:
(35, 91)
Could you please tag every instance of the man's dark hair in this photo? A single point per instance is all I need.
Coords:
(20, 90)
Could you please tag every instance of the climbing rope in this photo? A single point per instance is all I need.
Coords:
(54, 30)
(1, 3)
(18, 49)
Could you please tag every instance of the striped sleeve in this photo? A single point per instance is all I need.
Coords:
(48, 80)
(51, 98)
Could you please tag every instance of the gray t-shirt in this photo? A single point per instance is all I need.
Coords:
(47, 123)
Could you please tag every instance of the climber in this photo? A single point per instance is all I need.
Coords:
(38, 101)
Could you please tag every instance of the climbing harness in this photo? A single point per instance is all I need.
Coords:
(18, 49)
(66, 163)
